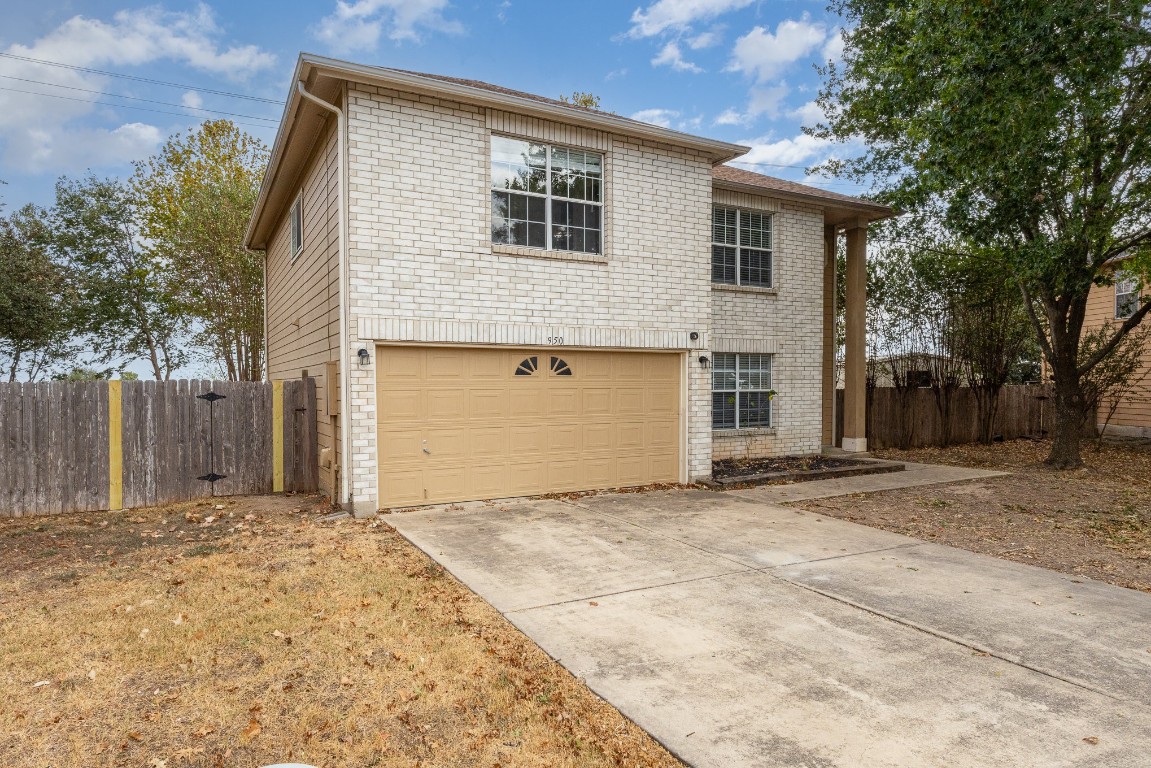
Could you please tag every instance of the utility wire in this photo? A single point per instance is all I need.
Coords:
(139, 79)
(124, 96)
(129, 106)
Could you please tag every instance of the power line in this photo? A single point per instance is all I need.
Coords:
(124, 96)
(125, 106)
(139, 79)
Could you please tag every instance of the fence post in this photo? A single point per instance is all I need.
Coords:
(277, 437)
(115, 447)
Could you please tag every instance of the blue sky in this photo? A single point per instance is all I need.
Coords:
(736, 70)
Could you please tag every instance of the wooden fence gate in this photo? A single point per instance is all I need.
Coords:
(86, 446)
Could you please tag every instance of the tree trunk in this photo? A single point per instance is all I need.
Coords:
(1070, 415)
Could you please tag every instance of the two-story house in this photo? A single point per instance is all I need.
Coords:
(1128, 412)
(501, 294)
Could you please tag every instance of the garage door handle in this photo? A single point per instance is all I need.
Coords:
(427, 451)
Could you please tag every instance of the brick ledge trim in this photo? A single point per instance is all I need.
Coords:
(523, 334)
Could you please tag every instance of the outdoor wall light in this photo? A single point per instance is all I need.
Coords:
(704, 362)
(365, 358)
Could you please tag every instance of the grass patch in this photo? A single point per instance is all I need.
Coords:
(282, 639)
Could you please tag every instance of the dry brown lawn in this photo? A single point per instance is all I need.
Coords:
(257, 634)
(1093, 522)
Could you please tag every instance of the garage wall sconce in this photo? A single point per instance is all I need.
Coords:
(704, 362)
(365, 358)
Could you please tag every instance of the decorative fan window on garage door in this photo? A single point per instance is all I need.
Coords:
(560, 368)
(528, 366)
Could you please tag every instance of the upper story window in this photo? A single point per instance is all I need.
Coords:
(741, 247)
(296, 219)
(1126, 295)
(545, 196)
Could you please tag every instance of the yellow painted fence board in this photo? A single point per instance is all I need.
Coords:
(277, 437)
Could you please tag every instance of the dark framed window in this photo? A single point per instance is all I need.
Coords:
(546, 197)
(741, 247)
(741, 391)
(1126, 296)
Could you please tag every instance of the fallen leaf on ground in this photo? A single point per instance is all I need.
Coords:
(41, 684)
(253, 729)
(1091, 740)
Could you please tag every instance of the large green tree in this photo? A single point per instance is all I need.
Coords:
(124, 306)
(1026, 124)
(196, 197)
(35, 317)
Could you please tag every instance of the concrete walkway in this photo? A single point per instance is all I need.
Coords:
(741, 633)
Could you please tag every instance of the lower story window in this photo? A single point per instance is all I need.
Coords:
(741, 391)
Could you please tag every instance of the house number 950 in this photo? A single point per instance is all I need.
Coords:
(555, 340)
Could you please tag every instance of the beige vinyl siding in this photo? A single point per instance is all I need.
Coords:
(303, 294)
(1135, 409)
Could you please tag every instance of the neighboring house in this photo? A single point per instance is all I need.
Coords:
(1114, 304)
(501, 294)
(917, 367)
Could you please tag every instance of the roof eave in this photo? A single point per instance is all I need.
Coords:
(873, 212)
(717, 151)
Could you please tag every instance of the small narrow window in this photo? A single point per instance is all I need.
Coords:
(1126, 295)
(528, 366)
(560, 368)
(297, 226)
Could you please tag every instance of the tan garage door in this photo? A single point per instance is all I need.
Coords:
(459, 423)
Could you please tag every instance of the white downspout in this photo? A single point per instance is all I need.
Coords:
(345, 379)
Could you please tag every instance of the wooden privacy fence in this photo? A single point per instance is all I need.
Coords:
(1023, 410)
(86, 446)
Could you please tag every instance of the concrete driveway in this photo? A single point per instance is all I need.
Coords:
(739, 632)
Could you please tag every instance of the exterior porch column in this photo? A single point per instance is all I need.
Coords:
(855, 352)
(830, 246)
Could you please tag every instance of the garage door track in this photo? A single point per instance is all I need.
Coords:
(744, 633)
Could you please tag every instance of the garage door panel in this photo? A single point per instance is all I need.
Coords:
(490, 441)
(663, 467)
(614, 421)
(447, 404)
(402, 487)
(562, 403)
(629, 436)
(398, 444)
(489, 404)
(661, 434)
(399, 405)
(528, 439)
(629, 401)
(564, 439)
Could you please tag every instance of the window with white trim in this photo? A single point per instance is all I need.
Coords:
(296, 217)
(1126, 295)
(741, 391)
(741, 251)
(545, 196)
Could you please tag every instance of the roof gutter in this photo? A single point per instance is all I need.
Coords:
(345, 379)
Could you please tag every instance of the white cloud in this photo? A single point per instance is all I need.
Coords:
(40, 134)
(704, 40)
(764, 55)
(767, 101)
(661, 117)
(730, 117)
(671, 56)
(664, 15)
(358, 25)
(799, 150)
(192, 100)
(833, 48)
(809, 114)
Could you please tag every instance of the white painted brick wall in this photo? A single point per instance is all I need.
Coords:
(787, 323)
(419, 249)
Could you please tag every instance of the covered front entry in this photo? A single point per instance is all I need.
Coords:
(459, 423)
